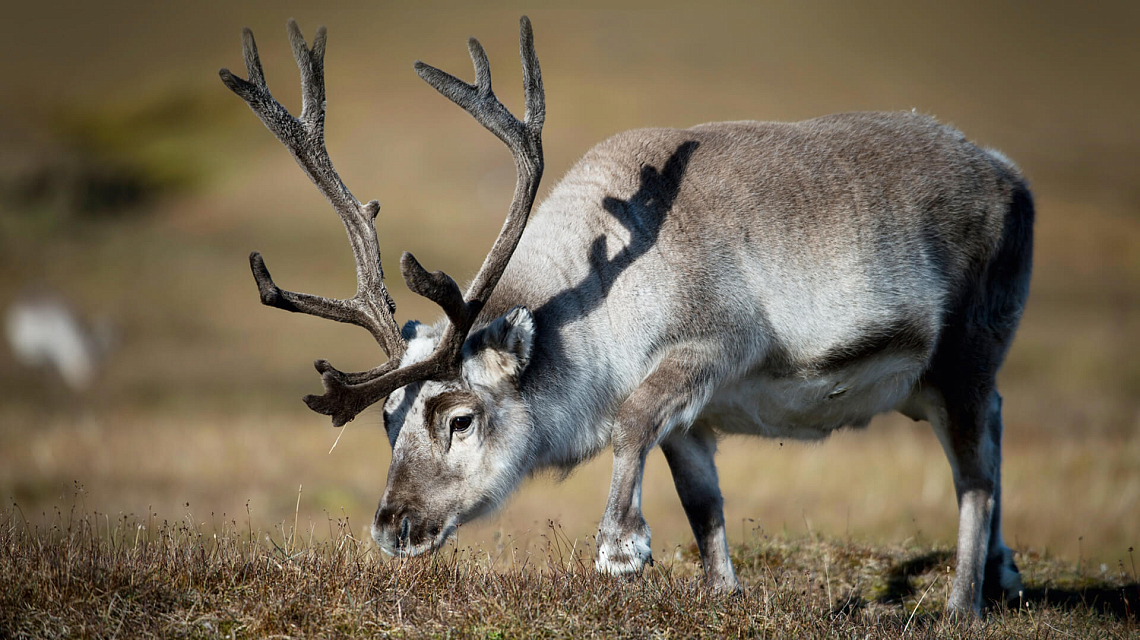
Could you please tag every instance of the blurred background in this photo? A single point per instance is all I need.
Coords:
(140, 366)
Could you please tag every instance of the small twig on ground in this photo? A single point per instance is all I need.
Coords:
(919, 604)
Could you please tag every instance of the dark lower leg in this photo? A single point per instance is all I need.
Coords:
(965, 428)
(691, 459)
(1002, 578)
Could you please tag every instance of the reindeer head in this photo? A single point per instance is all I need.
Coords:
(454, 413)
(459, 446)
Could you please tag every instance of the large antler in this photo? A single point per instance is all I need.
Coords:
(347, 394)
(372, 307)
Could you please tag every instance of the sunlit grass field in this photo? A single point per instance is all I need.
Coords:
(198, 418)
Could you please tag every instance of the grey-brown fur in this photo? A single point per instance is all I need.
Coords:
(766, 278)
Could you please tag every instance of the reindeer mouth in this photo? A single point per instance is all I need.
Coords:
(399, 546)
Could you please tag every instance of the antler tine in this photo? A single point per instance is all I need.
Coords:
(311, 65)
(437, 287)
(479, 99)
(372, 307)
(344, 398)
(523, 138)
(359, 377)
(527, 152)
(535, 115)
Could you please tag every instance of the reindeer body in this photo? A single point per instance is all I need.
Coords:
(755, 278)
(820, 259)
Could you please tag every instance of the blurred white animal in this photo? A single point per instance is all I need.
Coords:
(45, 331)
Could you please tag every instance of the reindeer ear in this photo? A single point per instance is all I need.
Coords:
(501, 351)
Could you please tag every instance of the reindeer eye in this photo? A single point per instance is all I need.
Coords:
(460, 423)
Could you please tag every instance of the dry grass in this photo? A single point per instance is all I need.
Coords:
(87, 576)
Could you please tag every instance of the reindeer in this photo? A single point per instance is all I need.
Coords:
(45, 330)
(774, 279)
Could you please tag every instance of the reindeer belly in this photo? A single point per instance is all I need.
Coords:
(809, 406)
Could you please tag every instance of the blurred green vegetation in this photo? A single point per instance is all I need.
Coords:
(85, 164)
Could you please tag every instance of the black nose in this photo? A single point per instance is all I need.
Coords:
(396, 521)
(405, 530)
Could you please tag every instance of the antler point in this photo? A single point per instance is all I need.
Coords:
(315, 402)
(235, 83)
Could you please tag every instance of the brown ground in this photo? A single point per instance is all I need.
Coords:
(77, 574)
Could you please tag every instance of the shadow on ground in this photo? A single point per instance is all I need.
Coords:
(1121, 602)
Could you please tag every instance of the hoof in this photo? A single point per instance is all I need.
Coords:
(1003, 580)
(625, 553)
